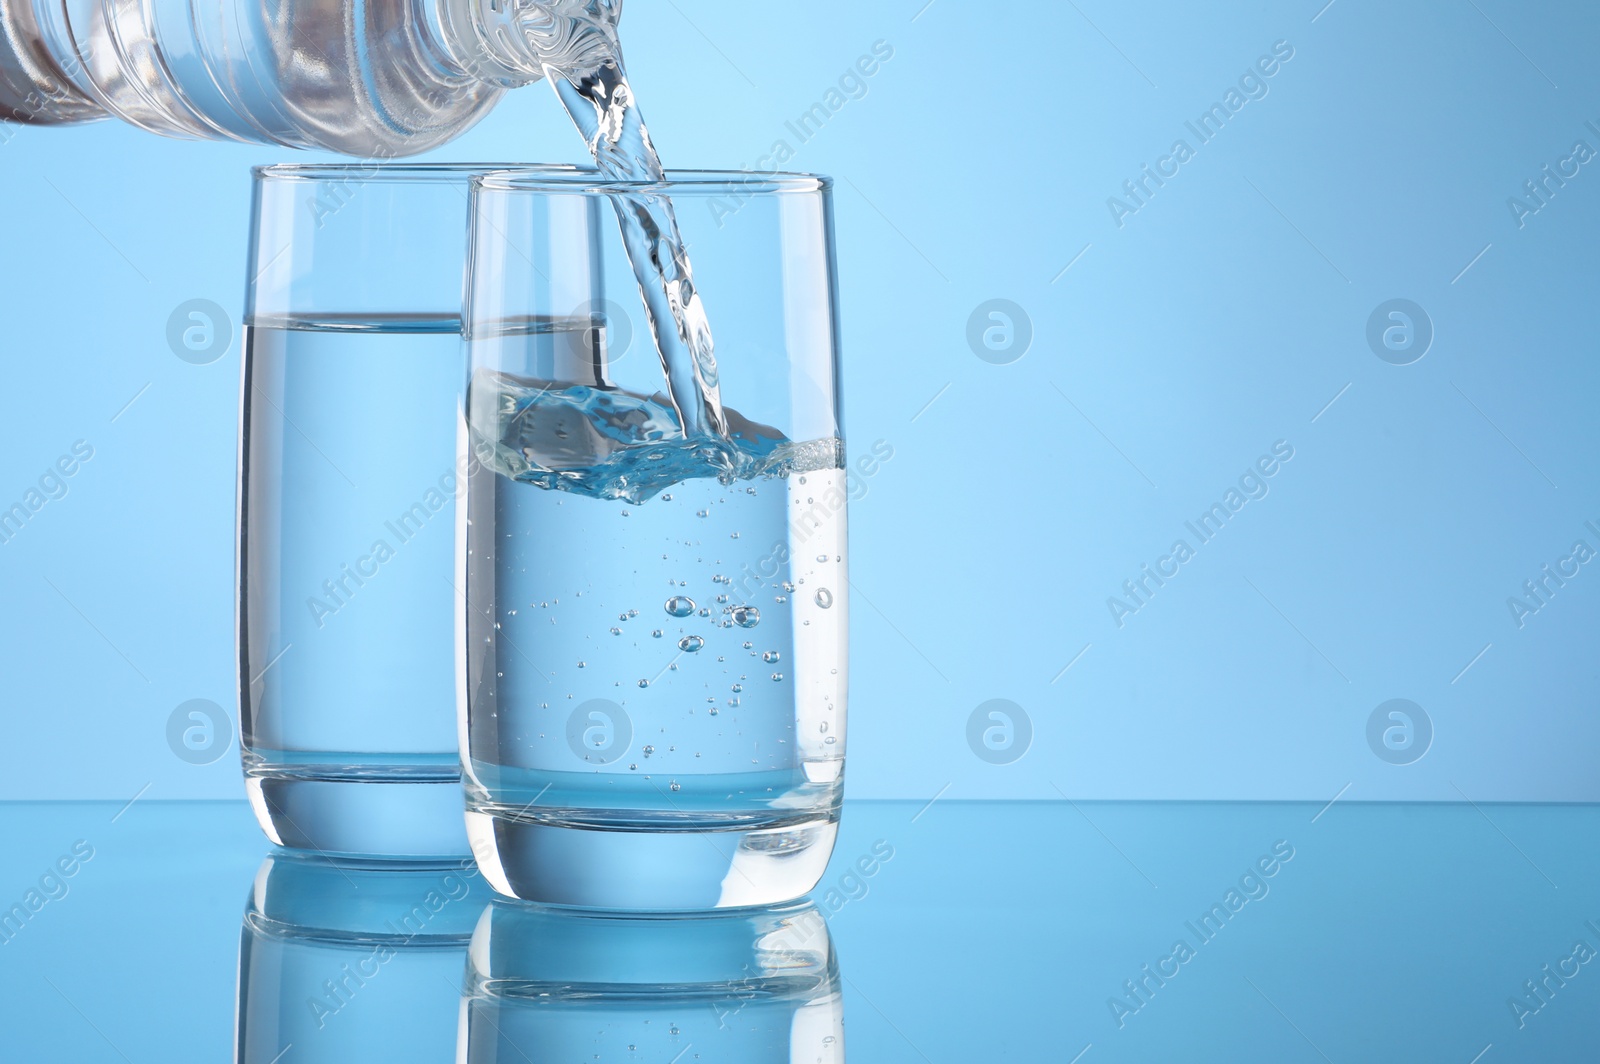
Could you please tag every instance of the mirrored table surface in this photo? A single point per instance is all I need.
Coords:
(944, 932)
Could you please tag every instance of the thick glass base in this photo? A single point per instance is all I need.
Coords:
(371, 815)
(553, 858)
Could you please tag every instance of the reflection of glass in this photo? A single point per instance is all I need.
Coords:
(353, 961)
(755, 987)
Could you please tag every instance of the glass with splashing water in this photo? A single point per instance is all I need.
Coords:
(653, 708)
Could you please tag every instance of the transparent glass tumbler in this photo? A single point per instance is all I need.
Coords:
(655, 627)
(348, 479)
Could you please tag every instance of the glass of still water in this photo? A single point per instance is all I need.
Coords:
(348, 586)
(655, 630)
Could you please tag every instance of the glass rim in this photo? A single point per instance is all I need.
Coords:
(583, 181)
(402, 171)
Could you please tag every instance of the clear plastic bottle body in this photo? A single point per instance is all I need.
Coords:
(370, 78)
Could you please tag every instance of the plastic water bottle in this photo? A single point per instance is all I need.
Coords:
(371, 78)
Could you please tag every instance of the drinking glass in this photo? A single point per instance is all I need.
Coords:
(348, 478)
(654, 709)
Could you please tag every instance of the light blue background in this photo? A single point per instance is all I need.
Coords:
(1223, 316)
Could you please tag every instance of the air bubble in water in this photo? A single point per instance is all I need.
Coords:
(777, 677)
(746, 616)
(679, 605)
(824, 597)
(747, 644)
(771, 657)
(787, 586)
(738, 687)
(644, 683)
(674, 786)
(616, 631)
(691, 643)
(648, 750)
(656, 633)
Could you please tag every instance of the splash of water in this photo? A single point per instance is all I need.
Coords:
(607, 443)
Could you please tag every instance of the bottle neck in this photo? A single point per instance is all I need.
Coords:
(508, 43)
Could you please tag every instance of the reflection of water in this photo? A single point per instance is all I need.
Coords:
(353, 961)
(753, 987)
